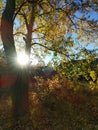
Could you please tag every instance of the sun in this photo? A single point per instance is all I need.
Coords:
(22, 59)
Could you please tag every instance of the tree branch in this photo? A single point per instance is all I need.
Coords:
(19, 33)
(19, 10)
(51, 49)
(25, 18)
(36, 29)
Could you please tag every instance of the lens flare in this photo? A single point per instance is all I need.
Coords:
(22, 59)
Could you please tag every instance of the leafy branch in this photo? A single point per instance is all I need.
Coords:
(19, 10)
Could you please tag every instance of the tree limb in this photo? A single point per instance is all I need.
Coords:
(51, 49)
(19, 10)
(19, 33)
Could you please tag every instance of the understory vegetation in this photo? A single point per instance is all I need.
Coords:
(55, 104)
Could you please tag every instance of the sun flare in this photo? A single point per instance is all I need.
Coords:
(22, 59)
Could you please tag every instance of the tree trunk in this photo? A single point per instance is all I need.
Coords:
(7, 32)
(28, 38)
(20, 95)
(20, 88)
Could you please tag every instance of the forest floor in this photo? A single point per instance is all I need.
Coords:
(62, 108)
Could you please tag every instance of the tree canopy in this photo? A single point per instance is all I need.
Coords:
(57, 25)
(64, 28)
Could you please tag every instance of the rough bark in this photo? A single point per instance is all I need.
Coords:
(20, 88)
(7, 31)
